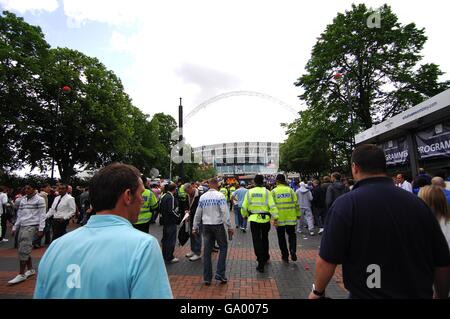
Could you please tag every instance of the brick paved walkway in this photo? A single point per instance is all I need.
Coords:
(280, 280)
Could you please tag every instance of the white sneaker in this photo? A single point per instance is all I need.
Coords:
(311, 233)
(189, 255)
(195, 257)
(175, 260)
(30, 273)
(19, 278)
(5, 240)
(320, 231)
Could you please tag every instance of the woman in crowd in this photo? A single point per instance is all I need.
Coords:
(434, 197)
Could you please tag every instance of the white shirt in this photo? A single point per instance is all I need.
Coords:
(406, 186)
(445, 226)
(3, 201)
(212, 210)
(65, 209)
(31, 212)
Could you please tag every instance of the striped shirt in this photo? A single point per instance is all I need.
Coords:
(31, 212)
(212, 210)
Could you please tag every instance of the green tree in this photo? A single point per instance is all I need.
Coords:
(146, 151)
(94, 123)
(90, 126)
(381, 78)
(307, 148)
(167, 125)
(23, 50)
(205, 172)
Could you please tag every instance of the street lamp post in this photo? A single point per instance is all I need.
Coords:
(65, 89)
(170, 168)
(180, 125)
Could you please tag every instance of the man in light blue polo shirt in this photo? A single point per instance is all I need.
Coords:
(239, 196)
(107, 258)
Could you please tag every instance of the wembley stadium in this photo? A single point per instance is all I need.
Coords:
(240, 158)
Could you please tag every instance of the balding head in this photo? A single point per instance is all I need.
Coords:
(438, 181)
(214, 183)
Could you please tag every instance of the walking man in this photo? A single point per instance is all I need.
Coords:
(213, 213)
(318, 204)
(388, 241)
(107, 258)
(62, 210)
(193, 198)
(288, 213)
(258, 207)
(168, 207)
(30, 221)
(305, 198)
(149, 206)
(3, 214)
(336, 189)
(239, 196)
(403, 183)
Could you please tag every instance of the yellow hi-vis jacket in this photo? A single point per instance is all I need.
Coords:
(150, 203)
(258, 205)
(287, 205)
(231, 191)
(224, 191)
(182, 193)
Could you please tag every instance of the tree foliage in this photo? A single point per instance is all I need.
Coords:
(381, 78)
(22, 50)
(166, 126)
(92, 125)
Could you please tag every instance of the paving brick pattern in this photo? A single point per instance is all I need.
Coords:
(280, 280)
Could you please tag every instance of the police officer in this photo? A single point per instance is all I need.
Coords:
(288, 212)
(224, 191)
(182, 196)
(258, 207)
(150, 204)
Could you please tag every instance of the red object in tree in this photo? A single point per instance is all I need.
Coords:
(67, 88)
(337, 76)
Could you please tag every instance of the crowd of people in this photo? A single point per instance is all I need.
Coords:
(378, 219)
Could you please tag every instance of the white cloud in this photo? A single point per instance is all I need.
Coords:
(113, 12)
(201, 48)
(23, 6)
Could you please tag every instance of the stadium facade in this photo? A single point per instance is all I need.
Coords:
(240, 158)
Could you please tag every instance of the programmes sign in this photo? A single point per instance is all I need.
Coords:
(434, 141)
(396, 152)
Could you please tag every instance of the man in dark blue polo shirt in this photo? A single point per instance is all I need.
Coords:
(387, 240)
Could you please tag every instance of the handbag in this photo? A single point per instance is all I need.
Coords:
(183, 233)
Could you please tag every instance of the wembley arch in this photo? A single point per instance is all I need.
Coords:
(239, 93)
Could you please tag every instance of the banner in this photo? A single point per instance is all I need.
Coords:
(396, 152)
(434, 142)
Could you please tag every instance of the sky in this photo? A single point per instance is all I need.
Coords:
(197, 50)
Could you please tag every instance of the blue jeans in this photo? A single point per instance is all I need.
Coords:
(238, 219)
(212, 234)
(169, 241)
(196, 241)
